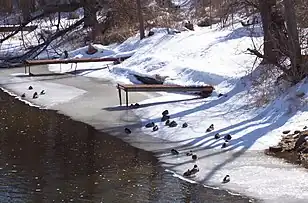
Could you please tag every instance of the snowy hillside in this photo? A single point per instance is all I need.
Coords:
(206, 56)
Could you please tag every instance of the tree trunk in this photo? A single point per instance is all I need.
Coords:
(297, 71)
(269, 42)
(140, 17)
(89, 9)
(6, 5)
(293, 38)
(27, 6)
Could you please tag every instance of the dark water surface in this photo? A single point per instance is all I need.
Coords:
(47, 157)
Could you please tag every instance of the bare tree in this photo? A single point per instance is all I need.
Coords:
(281, 40)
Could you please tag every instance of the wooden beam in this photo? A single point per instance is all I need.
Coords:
(120, 98)
(162, 88)
(126, 98)
(14, 28)
(66, 61)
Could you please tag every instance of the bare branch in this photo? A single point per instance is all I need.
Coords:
(267, 59)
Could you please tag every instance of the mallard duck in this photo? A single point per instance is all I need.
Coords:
(185, 125)
(194, 157)
(155, 128)
(167, 122)
(165, 113)
(190, 153)
(30, 88)
(35, 95)
(226, 179)
(174, 152)
(187, 173)
(164, 118)
(23, 95)
(42, 92)
(217, 136)
(127, 131)
(172, 124)
(228, 137)
(211, 128)
(150, 125)
(194, 170)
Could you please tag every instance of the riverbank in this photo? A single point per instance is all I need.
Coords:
(98, 98)
(292, 147)
(70, 161)
(84, 99)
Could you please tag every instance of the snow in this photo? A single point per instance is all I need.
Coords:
(185, 66)
(57, 93)
(217, 57)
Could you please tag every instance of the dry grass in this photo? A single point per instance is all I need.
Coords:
(265, 85)
(116, 35)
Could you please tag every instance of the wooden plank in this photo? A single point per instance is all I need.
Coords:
(120, 97)
(183, 89)
(14, 28)
(65, 61)
(126, 98)
(159, 88)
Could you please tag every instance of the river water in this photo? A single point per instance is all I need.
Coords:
(47, 157)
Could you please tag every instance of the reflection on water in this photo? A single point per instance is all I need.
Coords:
(47, 157)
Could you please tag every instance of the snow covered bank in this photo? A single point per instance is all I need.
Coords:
(243, 159)
(217, 57)
(206, 56)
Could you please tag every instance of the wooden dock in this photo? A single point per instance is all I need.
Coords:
(29, 63)
(206, 90)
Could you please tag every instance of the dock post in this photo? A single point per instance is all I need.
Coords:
(120, 95)
(25, 68)
(126, 98)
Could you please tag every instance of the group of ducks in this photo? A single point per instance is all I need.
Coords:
(195, 169)
(227, 137)
(165, 118)
(190, 172)
(35, 94)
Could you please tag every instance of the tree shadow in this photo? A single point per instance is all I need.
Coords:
(121, 108)
(40, 75)
(246, 142)
(207, 105)
(242, 32)
(85, 71)
(238, 146)
(53, 76)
